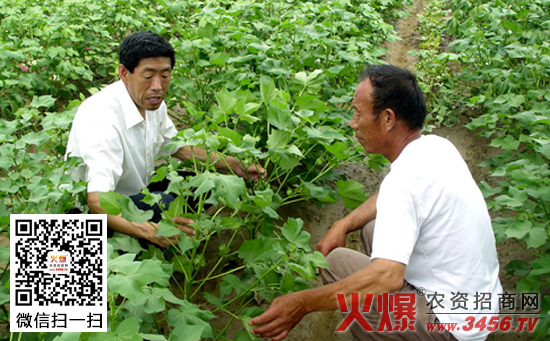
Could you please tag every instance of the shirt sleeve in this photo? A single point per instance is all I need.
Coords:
(397, 225)
(167, 130)
(101, 150)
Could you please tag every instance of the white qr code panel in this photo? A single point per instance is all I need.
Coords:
(58, 268)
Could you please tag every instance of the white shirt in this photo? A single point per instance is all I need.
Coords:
(432, 217)
(118, 146)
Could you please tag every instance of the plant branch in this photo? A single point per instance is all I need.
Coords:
(250, 287)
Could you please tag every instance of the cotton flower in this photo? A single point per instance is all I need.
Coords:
(88, 48)
(24, 68)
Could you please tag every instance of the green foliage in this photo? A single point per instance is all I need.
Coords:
(31, 161)
(231, 47)
(63, 49)
(434, 67)
(500, 59)
(266, 82)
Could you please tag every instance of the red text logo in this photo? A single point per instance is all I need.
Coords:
(400, 304)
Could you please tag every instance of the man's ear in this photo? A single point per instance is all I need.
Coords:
(389, 118)
(123, 73)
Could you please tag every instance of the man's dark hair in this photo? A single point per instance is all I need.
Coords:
(144, 44)
(397, 89)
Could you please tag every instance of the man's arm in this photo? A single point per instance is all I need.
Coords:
(381, 276)
(336, 236)
(147, 230)
(253, 172)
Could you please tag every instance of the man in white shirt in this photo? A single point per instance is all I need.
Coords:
(119, 132)
(427, 230)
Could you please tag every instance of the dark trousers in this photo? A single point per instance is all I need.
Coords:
(157, 188)
(167, 198)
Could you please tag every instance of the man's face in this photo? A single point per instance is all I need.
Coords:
(148, 84)
(368, 128)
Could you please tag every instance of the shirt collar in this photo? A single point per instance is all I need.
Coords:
(131, 113)
(406, 148)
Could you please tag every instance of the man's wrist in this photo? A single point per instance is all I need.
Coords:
(302, 299)
(223, 164)
(145, 230)
(342, 226)
(228, 163)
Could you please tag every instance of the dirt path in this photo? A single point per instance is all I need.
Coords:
(398, 51)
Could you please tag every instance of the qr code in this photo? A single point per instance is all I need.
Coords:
(58, 272)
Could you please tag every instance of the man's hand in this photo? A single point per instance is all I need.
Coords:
(359, 217)
(335, 237)
(282, 315)
(254, 172)
(151, 230)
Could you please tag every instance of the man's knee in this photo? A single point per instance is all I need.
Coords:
(366, 236)
(333, 259)
(336, 255)
(342, 263)
(167, 199)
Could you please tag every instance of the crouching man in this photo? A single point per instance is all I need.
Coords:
(427, 233)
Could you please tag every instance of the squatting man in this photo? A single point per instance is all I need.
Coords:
(428, 227)
(119, 132)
